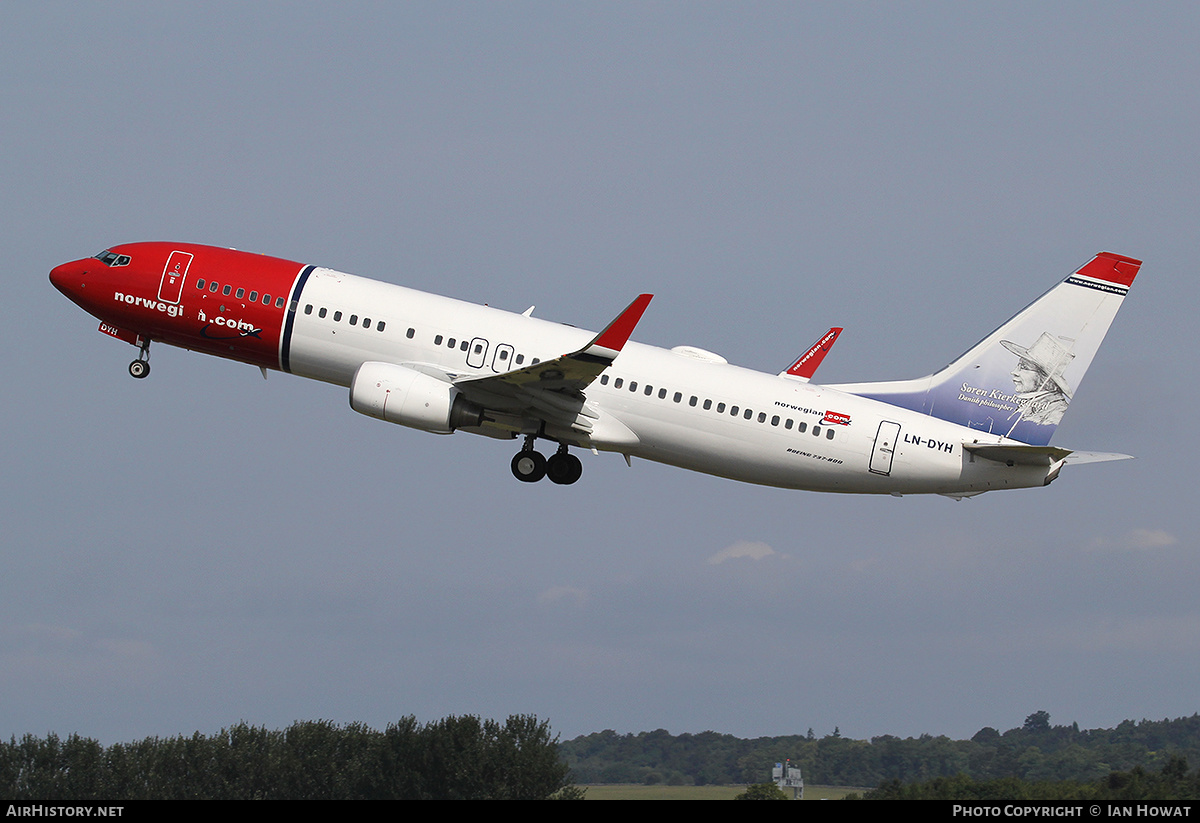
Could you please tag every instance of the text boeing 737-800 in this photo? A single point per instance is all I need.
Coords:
(440, 365)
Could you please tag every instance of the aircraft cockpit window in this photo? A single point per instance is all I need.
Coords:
(111, 258)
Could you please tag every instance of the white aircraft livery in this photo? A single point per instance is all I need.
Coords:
(984, 422)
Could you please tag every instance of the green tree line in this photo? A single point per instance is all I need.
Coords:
(454, 758)
(1171, 782)
(1035, 751)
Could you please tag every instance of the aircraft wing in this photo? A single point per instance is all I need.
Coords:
(553, 389)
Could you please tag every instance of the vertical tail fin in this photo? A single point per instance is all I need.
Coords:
(1019, 380)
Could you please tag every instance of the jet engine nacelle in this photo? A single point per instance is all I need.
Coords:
(402, 395)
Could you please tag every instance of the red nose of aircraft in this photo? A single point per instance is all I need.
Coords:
(69, 278)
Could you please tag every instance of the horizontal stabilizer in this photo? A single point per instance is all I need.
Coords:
(1095, 457)
(1015, 454)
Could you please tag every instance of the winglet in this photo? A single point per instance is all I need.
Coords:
(1111, 268)
(608, 343)
(806, 365)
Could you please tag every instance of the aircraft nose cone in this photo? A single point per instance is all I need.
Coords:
(67, 278)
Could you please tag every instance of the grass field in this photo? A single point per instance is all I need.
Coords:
(632, 791)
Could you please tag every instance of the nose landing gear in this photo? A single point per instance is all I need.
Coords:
(141, 367)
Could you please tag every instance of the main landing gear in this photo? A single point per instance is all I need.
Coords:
(141, 367)
(562, 468)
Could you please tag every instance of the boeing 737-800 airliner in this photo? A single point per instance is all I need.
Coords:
(440, 365)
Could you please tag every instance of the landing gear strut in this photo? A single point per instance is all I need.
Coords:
(141, 367)
(529, 466)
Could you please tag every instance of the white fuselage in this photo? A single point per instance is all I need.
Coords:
(671, 407)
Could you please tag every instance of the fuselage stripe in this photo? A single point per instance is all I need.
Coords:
(285, 344)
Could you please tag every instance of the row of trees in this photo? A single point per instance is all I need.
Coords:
(1035, 751)
(1172, 782)
(453, 758)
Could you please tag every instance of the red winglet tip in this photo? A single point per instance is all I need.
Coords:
(618, 331)
(1112, 268)
(806, 365)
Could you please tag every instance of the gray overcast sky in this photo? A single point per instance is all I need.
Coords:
(203, 547)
